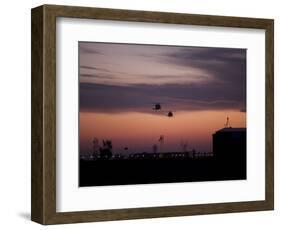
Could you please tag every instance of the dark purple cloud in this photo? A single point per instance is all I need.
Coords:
(227, 65)
(109, 98)
(225, 89)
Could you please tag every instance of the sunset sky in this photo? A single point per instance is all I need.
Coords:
(120, 83)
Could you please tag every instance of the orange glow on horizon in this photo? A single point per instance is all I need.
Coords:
(140, 131)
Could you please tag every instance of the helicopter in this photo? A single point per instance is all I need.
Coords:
(170, 114)
(158, 107)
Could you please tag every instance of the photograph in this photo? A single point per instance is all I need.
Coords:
(161, 114)
(140, 114)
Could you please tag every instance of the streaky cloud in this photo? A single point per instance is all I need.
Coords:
(140, 98)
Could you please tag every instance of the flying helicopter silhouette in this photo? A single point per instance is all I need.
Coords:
(158, 107)
(170, 114)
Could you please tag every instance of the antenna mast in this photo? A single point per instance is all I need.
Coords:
(161, 140)
(227, 124)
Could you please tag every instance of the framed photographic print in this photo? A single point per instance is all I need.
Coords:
(140, 114)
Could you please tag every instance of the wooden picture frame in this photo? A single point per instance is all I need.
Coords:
(43, 202)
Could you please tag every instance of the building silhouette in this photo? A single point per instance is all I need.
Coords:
(229, 144)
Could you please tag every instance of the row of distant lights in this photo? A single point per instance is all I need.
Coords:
(157, 155)
(177, 155)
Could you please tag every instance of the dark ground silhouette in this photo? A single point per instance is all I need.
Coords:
(120, 172)
(228, 162)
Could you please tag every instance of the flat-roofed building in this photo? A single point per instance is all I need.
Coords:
(230, 144)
